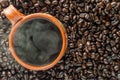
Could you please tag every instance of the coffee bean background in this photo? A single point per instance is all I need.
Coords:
(93, 28)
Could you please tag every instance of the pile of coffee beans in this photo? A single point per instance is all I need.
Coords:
(93, 28)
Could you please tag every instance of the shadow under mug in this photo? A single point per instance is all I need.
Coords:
(37, 41)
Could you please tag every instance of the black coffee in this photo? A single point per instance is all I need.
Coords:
(37, 41)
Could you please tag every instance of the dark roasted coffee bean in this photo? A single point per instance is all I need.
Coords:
(105, 61)
(101, 5)
(65, 10)
(54, 2)
(44, 9)
(118, 75)
(34, 1)
(89, 64)
(83, 66)
(47, 2)
(115, 22)
(108, 6)
(66, 18)
(36, 5)
(85, 55)
(116, 67)
(113, 4)
(118, 33)
(25, 5)
(9, 74)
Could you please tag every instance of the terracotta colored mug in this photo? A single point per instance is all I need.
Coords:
(28, 36)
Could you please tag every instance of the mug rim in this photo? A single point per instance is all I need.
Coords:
(54, 21)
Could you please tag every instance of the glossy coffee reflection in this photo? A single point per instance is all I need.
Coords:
(37, 41)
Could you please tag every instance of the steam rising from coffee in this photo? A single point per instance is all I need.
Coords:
(37, 41)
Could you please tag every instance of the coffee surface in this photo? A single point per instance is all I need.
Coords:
(37, 41)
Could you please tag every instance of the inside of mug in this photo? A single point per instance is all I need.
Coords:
(37, 41)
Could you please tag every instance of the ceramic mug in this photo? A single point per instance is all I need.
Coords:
(36, 41)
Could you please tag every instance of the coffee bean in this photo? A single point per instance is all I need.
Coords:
(58, 8)
(87, 8)
(116, 67)
(114, 22)
(101, 5)
(113, 4)
(105, 61)
(62, 1)
(71, 45)
(80, 44)
(108, 6)
(118, 76)
(3, 73)
(114, 50)
(66, 18)
(82, 15)
(84, 55)
(9, 74)
(83, 66)
(60, 75)
(89, 64)
(54, 2)
(34, 1)
(12, 71)
(47, 2)
(4, 58)
(44, 9)
(25, 5)
(36, 5)
(65, 10)
(4, 78)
